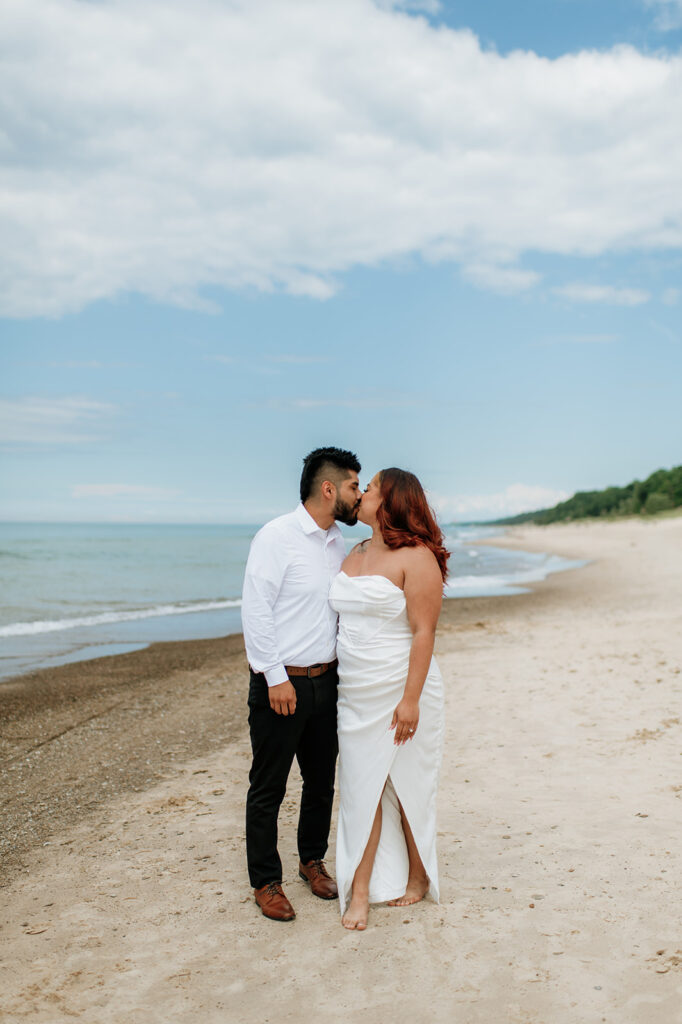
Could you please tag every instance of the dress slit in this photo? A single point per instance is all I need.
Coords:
(354, 863)
(391, 864)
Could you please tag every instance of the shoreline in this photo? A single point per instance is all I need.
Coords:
(89, 654)
(560, 787)
(128, 720)
(139, 630)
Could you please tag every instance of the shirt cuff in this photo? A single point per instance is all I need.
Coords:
(275, 676)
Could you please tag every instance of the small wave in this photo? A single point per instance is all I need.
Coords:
(105, 618)
(479, 582)
(518, 578)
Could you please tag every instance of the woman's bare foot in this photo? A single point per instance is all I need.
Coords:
(357, 913)
(415, 891)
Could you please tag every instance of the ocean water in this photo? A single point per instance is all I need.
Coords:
(74, 591)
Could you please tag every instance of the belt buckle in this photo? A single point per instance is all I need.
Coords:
(311, 667)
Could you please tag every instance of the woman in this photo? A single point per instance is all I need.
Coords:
(390, 711)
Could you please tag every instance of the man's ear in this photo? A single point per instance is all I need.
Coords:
(328, 489)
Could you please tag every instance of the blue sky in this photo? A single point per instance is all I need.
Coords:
(441, 235)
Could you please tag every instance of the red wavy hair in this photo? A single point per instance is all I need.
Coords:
(405, 518)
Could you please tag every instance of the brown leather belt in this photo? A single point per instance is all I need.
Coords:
(312, 671)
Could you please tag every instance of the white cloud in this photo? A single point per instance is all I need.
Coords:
(505, 280)
(671, 296)
(169, 148)
(32, 420)
(511, 501)
(418, 6)
(668, 14)
(121, 491)
(578, 292)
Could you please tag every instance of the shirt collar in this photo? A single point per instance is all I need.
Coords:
(308, 524)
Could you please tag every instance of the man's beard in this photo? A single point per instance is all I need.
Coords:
(345, 512)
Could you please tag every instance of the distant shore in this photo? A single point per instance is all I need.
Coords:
(125, 893)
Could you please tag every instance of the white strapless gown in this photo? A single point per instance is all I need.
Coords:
(373, 649)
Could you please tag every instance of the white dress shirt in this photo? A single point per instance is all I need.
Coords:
(286, 615)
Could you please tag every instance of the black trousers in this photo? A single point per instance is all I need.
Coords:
(309, 735)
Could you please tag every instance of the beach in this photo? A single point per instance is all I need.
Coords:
(124, 891)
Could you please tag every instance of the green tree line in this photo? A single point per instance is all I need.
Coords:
(659, 492)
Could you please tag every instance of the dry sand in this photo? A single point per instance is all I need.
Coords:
(559, 820)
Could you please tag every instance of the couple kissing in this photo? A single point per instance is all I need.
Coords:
(340, 650)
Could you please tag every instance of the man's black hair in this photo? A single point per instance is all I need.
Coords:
(318, 463)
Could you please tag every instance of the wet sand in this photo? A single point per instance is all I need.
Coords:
(559, 817)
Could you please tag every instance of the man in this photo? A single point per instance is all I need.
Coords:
(290, 636)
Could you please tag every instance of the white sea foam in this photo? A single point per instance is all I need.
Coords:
(546, 565)
(479, 582)
(56, 625)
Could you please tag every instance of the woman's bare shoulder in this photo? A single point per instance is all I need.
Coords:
(420, 559)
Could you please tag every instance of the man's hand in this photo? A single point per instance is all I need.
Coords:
(283, 698)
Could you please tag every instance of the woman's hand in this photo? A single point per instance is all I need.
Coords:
(405, 720)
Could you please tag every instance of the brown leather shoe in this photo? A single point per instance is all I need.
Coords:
(321, 882)
(274, 904)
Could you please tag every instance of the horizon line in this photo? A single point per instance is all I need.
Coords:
(146, 522)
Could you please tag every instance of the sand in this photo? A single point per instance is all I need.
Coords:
(559, 822)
